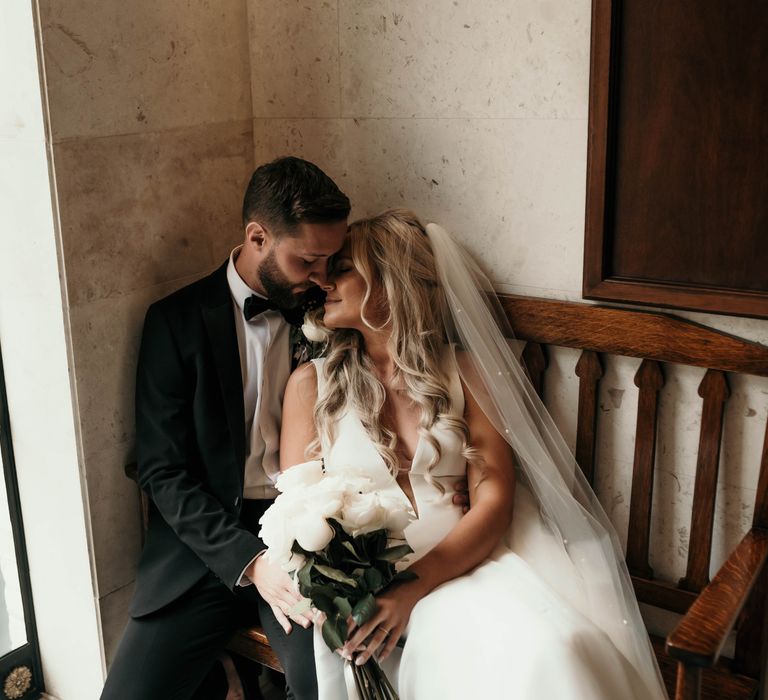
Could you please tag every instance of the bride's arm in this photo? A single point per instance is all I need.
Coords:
(298, 427)
(274, 585)
(491, 493)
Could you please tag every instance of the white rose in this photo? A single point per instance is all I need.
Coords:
(313, 332)
(363, 513)
(313, 533)
(278, 538)
(328, 505)
(399, 516)
(328, 497)
(278, 526)
(295, 562)
(300, 476)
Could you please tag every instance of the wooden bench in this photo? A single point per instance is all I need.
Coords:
(690, 657)
(735, 598)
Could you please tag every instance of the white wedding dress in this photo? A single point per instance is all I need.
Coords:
(511, 627)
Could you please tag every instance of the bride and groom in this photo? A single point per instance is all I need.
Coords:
(524, 596)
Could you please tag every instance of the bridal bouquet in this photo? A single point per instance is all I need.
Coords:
(334, 531)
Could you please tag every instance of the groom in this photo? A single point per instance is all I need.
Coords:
(214, 360)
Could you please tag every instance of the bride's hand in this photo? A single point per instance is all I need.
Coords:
(385, 627)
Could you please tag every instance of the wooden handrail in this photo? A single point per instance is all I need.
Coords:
(699, 637)
(632, 333)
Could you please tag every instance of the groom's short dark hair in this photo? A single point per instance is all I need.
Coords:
(290, 191)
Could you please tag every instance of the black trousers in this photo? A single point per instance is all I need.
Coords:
(166, 655)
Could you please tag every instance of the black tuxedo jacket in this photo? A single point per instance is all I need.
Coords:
(190, 444)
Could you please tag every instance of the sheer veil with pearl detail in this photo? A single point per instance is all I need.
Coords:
(600, 587)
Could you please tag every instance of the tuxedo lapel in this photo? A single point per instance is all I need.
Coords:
(218, 317)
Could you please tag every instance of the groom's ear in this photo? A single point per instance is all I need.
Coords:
(256, 234)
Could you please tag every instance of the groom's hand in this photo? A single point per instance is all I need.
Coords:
(276, 587)
(461, 497)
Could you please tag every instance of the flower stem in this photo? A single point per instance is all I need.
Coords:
(372, 683)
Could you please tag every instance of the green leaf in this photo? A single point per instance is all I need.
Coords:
(403, 576)
(350, 547)
(296, 548)
(371, 544)
(335, 575)
(332, 634)
(341, 534)
(395, 553)
(305, 577)
(374, 580)
(343, 606)
(323, 600)
(363, 611)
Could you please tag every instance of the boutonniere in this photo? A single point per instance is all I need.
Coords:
(306, 343)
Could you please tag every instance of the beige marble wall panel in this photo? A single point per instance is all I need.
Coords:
(744, 423)
(114, 616)
(561, 391)
(294, 58)
(141, 210)
(105, 343)
(119, 68)
(513, 189)
(320, 140)
(754, 329)
(617, 406)
(445, 58)
(105, 339)
(115, 518)
(677, 449)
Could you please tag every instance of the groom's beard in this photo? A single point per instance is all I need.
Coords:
(276, 285)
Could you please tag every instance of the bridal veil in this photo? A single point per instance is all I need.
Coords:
(602, 588)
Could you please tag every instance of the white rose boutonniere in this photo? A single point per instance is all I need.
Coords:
(307, 339)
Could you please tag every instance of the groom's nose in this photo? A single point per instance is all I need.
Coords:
(319, 274)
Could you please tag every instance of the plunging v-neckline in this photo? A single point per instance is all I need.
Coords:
(416, 453)
(414, 504)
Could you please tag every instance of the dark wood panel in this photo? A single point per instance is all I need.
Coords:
(535, 362)
(253, 644)
(677, 191)
(589, 369)
(649, 379)
(761, 498)
(691, 186)
(663, 595)
(750, 639)
(714, 391)
(718, 682)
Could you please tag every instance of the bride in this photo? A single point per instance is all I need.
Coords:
(526, 596)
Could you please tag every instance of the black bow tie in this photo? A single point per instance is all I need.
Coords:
(255, 305)
(311, 299)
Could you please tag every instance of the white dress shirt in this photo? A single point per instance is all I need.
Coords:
(265, 364)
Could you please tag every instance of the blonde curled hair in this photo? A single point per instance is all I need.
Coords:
(393, 255)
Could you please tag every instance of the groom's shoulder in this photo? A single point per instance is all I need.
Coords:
(210, 289)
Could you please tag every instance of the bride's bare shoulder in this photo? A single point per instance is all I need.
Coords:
(466, 365)
(302, 384)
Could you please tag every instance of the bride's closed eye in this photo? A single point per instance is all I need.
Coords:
(341, 267)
